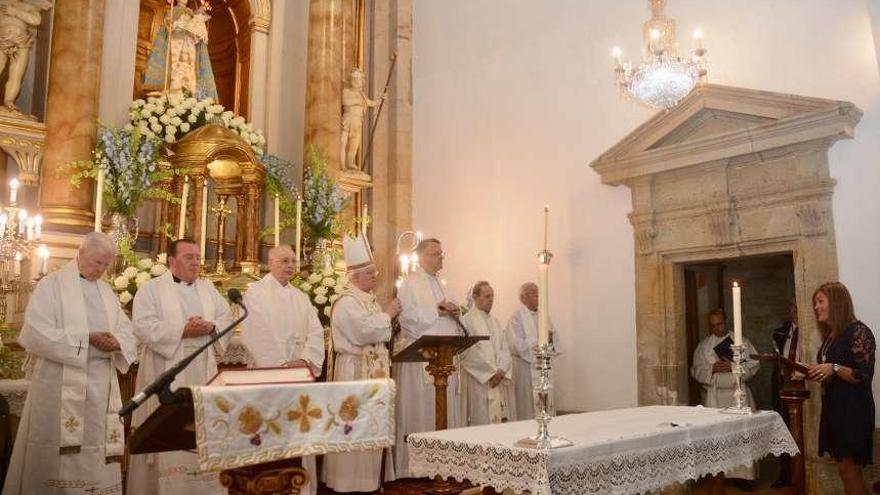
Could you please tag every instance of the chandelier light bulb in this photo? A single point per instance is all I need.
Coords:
(655, 34)
(698, 34)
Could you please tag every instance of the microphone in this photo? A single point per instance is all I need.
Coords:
(234, 295)
(162, 384)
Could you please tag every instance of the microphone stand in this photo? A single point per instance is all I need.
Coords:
(161, 386)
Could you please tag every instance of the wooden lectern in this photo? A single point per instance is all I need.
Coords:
(438, 351)
(171, 427)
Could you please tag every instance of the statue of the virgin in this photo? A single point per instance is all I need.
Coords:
(185, 64)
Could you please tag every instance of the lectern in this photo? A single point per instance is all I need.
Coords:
(438, 351)
(172, 427)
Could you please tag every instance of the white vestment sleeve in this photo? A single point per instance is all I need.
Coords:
(359, 326)
(505, 361)
(414, 319)
(701, 370)
(157, 334)
(127, 353)
(222, 319)
(256, 332)
(42, 333)
(313, 352)
(518, 342)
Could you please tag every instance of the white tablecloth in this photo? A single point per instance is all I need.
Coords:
(615, 452)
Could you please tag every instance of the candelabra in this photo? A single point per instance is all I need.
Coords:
(408, 262)
(740, 404)
(19, 236)
(542, 386)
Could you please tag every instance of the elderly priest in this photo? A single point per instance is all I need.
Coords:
(361, 328)
(283, 328)
(70, 439)
(522, 334)
(175, 314)
(426, 311)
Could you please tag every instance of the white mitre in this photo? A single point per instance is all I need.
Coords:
(357, 252)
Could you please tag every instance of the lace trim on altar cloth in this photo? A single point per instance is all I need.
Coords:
(633, 471)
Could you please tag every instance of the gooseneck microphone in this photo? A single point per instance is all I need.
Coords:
(161, 386)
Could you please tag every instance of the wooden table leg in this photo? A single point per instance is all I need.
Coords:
(285, 477)
(794, 404)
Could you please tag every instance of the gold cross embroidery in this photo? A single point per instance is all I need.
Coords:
(71, 424)
(114, 436)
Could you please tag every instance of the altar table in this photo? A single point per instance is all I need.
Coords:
(622, 451)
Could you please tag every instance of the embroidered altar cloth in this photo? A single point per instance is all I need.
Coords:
(622, 451)
(243, 425)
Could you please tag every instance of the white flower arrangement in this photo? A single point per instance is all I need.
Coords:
(323, 287)
(136, 275)
(169, 118)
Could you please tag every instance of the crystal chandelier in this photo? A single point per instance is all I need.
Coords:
(663, 78)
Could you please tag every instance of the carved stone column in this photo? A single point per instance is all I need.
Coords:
(324, 76)
(72, 111)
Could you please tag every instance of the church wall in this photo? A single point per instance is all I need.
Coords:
(513, 99)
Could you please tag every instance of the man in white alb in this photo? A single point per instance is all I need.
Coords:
(283, 328)
(175, 314)
(426, 311)
(487, 368)
(361, 329)
(70, 438)
(712, 367)
(522, 334)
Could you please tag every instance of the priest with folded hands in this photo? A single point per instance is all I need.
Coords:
(175, 314)
(77, 338)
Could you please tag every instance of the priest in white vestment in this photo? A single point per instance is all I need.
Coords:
(283, 328)
(713, 372)
(173, 315)
(487, 367)
(70, 438)
(426, 311)
(522, 334)
(361, 329)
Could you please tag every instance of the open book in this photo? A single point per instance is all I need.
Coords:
(262, 376)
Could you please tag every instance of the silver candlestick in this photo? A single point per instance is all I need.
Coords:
(543, 393)
(740, 404)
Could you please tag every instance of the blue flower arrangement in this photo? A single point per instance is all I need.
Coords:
(322, 200)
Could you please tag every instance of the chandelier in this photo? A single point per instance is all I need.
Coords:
(663, 78)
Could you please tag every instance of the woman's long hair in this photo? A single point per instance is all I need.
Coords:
(840, 308)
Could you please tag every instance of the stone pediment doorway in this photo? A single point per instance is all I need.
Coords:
(729, 173)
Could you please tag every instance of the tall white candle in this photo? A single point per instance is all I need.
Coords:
(277, 219)
(13, 190)
(737, 315)
(22, 218)
(543, 300)
(181, 225)
(99, 199)
(298, 239)
(38, 225)
(43, 253)
(364, 220)
(546, 225)
(204, 232)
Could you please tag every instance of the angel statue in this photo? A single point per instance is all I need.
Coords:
(354, 105)
(19, 20)
(185, 64)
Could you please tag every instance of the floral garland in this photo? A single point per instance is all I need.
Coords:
(168, 118)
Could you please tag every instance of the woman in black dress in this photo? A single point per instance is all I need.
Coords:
(845, 370)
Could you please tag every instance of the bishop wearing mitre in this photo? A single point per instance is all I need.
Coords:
(426, 311)
(487, 367)
(283, 328)
(175, 314)
(70, 438)
(361, 329)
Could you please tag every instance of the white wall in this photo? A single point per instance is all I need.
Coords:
(514, 98)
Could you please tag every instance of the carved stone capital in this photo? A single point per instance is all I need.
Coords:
(24, 140)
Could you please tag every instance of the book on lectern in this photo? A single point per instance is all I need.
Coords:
(262, 376)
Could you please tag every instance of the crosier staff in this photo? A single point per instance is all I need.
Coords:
(381, 106)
